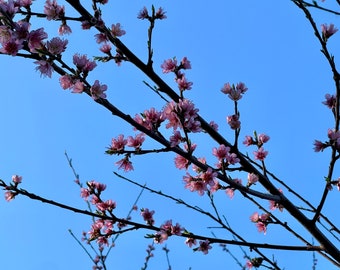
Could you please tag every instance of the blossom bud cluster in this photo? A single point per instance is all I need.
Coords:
(10, 194)
(261, 221)
(259, 140)
(171, 65)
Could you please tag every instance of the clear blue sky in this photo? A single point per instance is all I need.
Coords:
(266, 44)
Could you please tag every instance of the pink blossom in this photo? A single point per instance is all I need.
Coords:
(183, 84)
(248, 141)
(260, 154)
(100, 37)
(234, 93)
(117, 31)
(66, 81)
(213, 125)
(118, 144)
(77, 87)
(249, 264)
(262, 138)
(125, 164)
(136, 142)
(221, 152)
(204, 246)
(143, 14)
(35, 39)
(85, 193)
(64, 29)
(330, 101)
(328, 31)
(160, 14)
(190, 242)
(148, 216)
(106, 48)
(16, 179)
(21, 30)
(97, 90)
(44, 67)
(232, 159)
(182, 115)
(185, 63)
(56, 45)
(169, 65)
(83, 64)
(176, 138)
(255, 217)
(176, 229)
(11, 46)
(181, 162)
(9, 8)
(252, 179)
(261, 227)
(9, 195)
(233, 121)
(319, 146)
(53, 11)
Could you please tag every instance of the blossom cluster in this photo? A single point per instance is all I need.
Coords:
(171, 65)
(258, 140)
(10, 194)
(118, 147)
(261, 221)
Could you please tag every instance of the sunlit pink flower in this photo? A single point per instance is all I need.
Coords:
(181, 162)
(204, 246)
(176, 138)
(44, 67)
(252, 179)
(255, 217)
(9, 195)
(118, 144)
(234, 93)
(169, 65)
(117, 31)
(260, 154)
(16, 179)
(221, 152)
(262, 138)
(137, 141)
(249, 265)
(97, 90)
(328, 31)
(56, 45)
(183, 84)
(125, 164)
(85, 193)
(261, 227)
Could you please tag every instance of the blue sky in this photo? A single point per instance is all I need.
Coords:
(267, 45)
